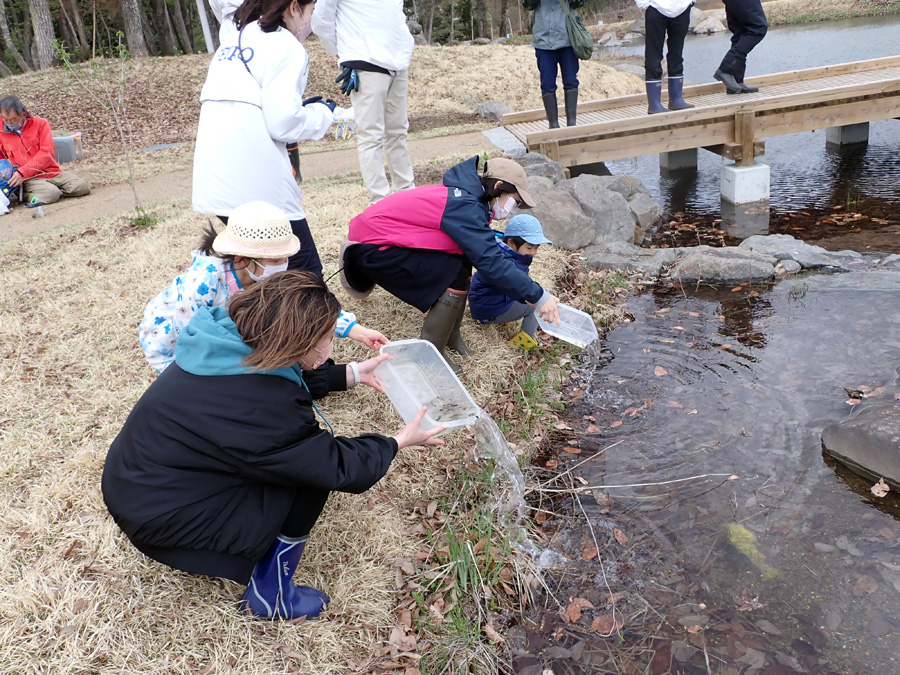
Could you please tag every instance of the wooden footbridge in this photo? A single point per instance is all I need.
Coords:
(730, 125)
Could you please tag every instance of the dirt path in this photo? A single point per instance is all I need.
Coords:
(171, 187)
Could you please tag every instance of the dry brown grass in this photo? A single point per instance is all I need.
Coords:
(76, 596)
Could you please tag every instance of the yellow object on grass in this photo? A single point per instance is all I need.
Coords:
(745, 542)
(522, 340)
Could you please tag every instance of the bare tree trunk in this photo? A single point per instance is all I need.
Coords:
(212, 40)
(163, 26)
(70, 34)
(480, 18)
(4, 70)
(186, 45)
(134, 28)
(78, 21)
(27, 36)
(7, 39)
(42, 22)
(504, 15)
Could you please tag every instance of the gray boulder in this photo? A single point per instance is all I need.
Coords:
(492, 110)
(637, 26)
(613, 220)
(697, 15)
(645, 210)
(481, 41)
(708, 25)
(785, 247)
(627, 186)
(632, 36)
(563, 221)
(623, 257)
(609, 40)
(499, 41)
(867, 443)
(414, 28)
(419, 39)
(722, 266)
(631, 68)
(536, 164)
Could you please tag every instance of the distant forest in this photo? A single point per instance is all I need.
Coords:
(33, 31)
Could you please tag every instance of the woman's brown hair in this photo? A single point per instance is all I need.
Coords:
(267, 12)
(282, 317)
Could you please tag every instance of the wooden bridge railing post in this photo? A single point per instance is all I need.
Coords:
(744, 130)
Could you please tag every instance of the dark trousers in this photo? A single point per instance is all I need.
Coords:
(307, 258)
(305, 511)
(747, 23)
(659, 28)
(550, 61)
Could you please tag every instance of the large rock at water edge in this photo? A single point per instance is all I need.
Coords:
(722, 266)
(610, 212)
(624, 257)
(638, 26)
(785, 247)
(645, 211)
(708, 25)
(563, 221)
(869, 443)
(697, 15)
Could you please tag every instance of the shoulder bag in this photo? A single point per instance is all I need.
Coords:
(581, 41)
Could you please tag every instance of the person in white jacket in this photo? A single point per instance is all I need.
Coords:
(252, 106)
(666, 21)
(374, 48)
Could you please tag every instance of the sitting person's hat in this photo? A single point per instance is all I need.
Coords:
(527, 228)
(511, 172)
(257, 230)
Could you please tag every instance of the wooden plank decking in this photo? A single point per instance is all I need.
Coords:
(788, 102)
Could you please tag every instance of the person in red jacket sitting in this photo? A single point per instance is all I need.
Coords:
(27, 142)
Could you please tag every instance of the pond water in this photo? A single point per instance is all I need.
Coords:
(715, 381)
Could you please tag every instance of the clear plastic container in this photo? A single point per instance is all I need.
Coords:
(418, 375)
(575, 327)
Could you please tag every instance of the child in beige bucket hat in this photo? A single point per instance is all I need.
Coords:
(255, 244)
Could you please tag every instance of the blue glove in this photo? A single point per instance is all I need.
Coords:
(318, 99)
(349, 80)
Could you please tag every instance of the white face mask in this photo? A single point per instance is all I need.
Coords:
(267, 271)
(505, 210)
(303, 32)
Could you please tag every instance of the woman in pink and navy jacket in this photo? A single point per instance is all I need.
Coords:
(421, 245)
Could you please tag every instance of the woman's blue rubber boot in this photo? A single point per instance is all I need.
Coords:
(271, 593)
(676, 94)
(654, 97)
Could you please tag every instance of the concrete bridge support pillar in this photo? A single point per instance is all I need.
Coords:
(745, 184)
(847, 134)
(677, 160)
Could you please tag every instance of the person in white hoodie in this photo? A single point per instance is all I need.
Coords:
(252, 106)
(374, 48)
(666, 21)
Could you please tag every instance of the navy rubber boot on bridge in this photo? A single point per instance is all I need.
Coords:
(654, 97)
(676, 95)
(271, 593)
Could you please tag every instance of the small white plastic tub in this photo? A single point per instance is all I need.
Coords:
(419, 376)
(575, 327)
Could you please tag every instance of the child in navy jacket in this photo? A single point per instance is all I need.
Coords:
(488, 304)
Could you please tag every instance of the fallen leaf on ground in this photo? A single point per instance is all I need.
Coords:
(864, 586)
(875, 392)
(694, 629)
(693, 412)
(748, 601)
(668, 340)
(593, 429)
(605, 624)
(492, 634)
(620, 536)
(615, 424)
(573, 611)
(675, 404)
(589, 553)
(659, 371)
(880, 489)
(571, 450)
(853, 401)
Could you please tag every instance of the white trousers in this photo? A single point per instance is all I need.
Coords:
(381, 124)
